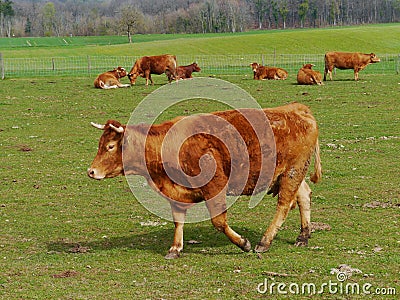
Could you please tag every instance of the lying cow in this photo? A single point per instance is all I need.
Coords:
(307, 75)
(110, 79)
(295, 133)
(147, 65)
(348, 60)
(185, 72)
(263, 72)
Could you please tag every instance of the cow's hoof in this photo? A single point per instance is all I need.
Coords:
(172, 255)
(261, 248)
(301, 241)
(247, 246)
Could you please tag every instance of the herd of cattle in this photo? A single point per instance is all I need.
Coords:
(147, 65)
(136, 150)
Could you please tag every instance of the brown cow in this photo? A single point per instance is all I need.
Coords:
(296, 136)
(348, 60)
(185, 72)
(147, 65)
(307, 75)
(263, 72)
(110, 79)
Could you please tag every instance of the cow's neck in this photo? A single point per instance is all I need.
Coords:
(136, 155)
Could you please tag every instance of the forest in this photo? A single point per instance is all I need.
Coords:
(20, 18)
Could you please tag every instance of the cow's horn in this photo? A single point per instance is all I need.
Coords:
(119, 129)
(98, 126)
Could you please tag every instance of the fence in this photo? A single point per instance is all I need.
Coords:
(210, 64)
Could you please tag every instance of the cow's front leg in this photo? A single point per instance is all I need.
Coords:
(178, 214)
(304, 201)
(217, 210)
(356, 74)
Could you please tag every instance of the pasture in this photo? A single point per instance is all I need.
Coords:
(65, 236)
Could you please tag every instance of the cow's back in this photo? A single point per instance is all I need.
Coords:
(294, 130)
(159, 64)
(342, 60)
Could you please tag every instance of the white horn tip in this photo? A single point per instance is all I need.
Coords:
(98, 126)
(119, 129)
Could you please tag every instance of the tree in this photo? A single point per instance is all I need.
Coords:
(131, 18)
(6, 16)
(48, 18)
(260, 7)
(303, 10)
(333, 11)
(275, 12)
(284, 11)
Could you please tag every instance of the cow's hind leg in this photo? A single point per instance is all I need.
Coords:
(304, 201)
(217, 210)
(178, 214)
(286, 199)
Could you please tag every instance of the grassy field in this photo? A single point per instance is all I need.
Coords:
(383, 38)
(65, 236)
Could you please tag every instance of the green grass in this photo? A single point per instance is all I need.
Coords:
(57, 222)
(383, 38)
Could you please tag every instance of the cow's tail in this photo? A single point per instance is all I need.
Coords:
(317, 165)
(326, 68)
(175, 73)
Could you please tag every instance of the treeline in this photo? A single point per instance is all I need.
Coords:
(120, 17)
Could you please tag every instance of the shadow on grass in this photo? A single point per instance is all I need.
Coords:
(197, 239)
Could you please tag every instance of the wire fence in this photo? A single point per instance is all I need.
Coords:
(210, 64)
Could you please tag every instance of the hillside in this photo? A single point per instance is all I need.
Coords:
(371, 38)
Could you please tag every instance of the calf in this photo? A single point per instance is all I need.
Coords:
(264, 72)
(307, 75)
(110, 79)
(348, 60)
(185, 72)
(293, 128)
(147, 65)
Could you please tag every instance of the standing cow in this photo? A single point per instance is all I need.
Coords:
(348, 60)
(185, 72)
(295, 134)
(147, 65)
(307, 75)
(111, 79)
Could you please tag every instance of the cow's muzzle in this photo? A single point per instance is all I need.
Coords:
(93, 173)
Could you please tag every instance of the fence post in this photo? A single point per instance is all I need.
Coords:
(53, 64)
(398, 64)
(2, 66)
(89, 65)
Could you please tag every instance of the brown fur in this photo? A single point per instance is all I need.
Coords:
(307, 75)
(264, 72)
(348, 60)
(185, 72)
(148, 65)
(296, 137)
(110, 79)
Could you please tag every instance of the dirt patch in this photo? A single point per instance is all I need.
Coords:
(378, 204)
(65, 274)
(79, 249)
(320, 226)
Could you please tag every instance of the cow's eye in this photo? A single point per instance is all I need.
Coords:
(110, 147)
